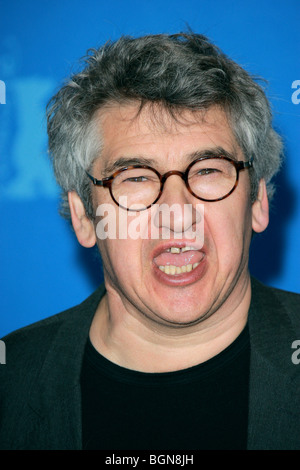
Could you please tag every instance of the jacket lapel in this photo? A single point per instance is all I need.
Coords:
(55, 404)
(274, 407)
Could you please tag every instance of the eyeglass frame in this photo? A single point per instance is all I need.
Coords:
(107, 182)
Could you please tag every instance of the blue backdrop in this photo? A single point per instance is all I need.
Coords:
(43, 269)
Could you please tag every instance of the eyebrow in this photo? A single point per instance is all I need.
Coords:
(127, 161)
(123, 162)
(211, 152)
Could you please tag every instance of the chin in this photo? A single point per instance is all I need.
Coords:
(178, 311)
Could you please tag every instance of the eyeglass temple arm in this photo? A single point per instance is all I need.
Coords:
(94, 180)
(244, 165)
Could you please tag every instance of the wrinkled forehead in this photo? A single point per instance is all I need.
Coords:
(160, 118)
(153, 131)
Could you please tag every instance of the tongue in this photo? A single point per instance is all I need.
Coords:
(178, 259)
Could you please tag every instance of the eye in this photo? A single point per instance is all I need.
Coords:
(207, 171)
(135, 179)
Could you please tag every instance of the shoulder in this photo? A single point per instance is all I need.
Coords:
(260, 288)
(27, 348)
(292, 299)
(47, 325)
(45, 328)
(275, 304)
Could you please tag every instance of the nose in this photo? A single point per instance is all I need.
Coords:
(175, 211)
(174, 190)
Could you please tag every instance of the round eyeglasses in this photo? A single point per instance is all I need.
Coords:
(138, 187)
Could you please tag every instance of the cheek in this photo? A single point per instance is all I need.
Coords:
(121, 258)
(230, 232)
(119, 239)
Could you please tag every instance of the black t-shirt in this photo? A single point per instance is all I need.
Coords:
(202, 407)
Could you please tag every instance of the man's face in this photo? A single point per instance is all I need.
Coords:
(131, 266)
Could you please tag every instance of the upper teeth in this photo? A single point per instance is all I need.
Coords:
(176, 249)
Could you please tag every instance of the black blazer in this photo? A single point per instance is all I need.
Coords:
(40, 401)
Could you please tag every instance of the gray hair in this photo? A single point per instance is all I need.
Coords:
(178, 72)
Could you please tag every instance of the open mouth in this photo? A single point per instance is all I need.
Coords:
(178, 260)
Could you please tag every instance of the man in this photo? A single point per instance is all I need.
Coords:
(180, 349)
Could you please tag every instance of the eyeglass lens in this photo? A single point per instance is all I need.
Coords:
(208, 179)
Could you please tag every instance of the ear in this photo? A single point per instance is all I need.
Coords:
(260, 209)
(82, 225)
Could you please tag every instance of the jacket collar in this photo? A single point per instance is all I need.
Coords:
(57, 391)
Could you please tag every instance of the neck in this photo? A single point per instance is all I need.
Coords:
(140, 344)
